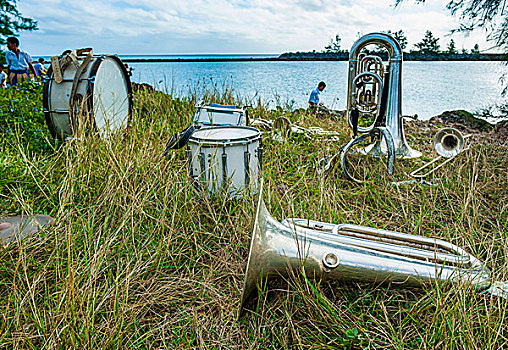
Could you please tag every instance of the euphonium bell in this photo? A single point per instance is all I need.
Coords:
(353, 253)
(448, 143)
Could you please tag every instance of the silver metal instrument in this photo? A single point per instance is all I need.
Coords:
(378, 134)
(353, 253)
(448, 143)
(368, 84)
(376, 92)
(282, 127)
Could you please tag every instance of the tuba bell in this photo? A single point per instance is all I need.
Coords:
(353, 253)
(448, 143)
(376, 92)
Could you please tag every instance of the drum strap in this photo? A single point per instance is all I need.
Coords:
(179, 140)
(68, 59)
(59, 64)
(57, 70)
(79, 72)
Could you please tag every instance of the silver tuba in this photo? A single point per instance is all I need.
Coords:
(376, 91)
(448, 143)
(353, 253)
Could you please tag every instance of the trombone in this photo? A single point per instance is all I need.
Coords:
(448, 143)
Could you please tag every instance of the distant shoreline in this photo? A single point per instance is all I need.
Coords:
(243, 59)
(323, 56)
(408, 56)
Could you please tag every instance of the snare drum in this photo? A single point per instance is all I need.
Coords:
(103, 89)
(219, 115)
(226, 157)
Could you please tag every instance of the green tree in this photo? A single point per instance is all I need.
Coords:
(334, 45)
(429, 43)
(475, 50)
(12, 22)
(451, 48)
(492, 15)
(464, 51)
(400, 36)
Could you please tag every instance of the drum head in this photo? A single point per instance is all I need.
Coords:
(225, 133)
(111, 101)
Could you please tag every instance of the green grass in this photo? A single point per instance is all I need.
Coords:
(137, 259)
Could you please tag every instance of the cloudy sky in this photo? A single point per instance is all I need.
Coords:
(226, 26)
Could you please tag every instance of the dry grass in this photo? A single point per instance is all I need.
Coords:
(137, 259)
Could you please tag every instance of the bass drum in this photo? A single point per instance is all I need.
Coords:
(103, 91)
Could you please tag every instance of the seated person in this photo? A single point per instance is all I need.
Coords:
(314, 95)
(39, 68)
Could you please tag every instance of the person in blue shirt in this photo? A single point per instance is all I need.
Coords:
(18, 62)
(39, 67)
(314, 95)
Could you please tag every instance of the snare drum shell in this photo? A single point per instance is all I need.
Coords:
(107, 91)
(234, 162)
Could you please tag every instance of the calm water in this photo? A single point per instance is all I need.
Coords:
(198, 56)
(429, 88)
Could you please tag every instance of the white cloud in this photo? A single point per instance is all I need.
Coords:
(219, 26)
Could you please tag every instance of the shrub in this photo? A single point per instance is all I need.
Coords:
(22, 117)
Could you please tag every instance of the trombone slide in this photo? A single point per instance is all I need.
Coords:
(425, 166)
(448, 143)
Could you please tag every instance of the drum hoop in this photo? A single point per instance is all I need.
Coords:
(224, 110)
(90, 87)
(226, 141)
(210, 109)
(221, 143)
(91, 84)
(45, 103)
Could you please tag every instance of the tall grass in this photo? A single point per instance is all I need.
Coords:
(137, 259)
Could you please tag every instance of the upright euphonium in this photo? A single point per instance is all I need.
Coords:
(353, 253)
(376, 92)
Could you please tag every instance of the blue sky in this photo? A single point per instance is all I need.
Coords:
(226, 26)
